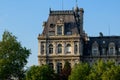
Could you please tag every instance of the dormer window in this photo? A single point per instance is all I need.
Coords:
(69, 33)
(59, 30)
(51, 33)
(111, 48)
(95, 49)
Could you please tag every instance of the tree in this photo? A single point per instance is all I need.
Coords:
(100, 70)
(104, 71)
(112, 72)
(80, 72)
(43, 72)
(66, 71)
(13, 57)
(97, 70)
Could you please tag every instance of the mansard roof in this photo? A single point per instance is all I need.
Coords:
(67, 17)
(103, 42)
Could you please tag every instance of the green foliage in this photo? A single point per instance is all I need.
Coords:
(66, 71)
(13, 57)
(100, 70)
(40, 73)
(80, 72)
(104, 71)
(97, 69)
(112, 72)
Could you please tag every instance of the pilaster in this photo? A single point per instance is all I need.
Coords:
(63, 48)
(54, 48)
(39, 47)
(72, 43)
(55, 65)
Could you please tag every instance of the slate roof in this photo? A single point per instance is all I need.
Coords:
(69, 20)
(103, 42)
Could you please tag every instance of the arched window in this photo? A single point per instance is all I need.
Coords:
(59, 67)
(50, 49)
(68, 48)
(51, 65)
(103, 51)
(59, 48)
(95, 49)
(76, 49)
(111, 48)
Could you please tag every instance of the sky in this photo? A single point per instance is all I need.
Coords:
(24, 18)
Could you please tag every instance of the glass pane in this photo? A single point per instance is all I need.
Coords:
(59, 30)
(59, 48)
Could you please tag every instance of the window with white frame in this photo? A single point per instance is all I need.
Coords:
(95, 49)
(103, 51)
(68, 48)
(111, 48)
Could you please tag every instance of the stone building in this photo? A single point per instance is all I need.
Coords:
(63, 39)
(102, 47)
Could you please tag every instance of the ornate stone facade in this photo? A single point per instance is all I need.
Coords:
(63, 39)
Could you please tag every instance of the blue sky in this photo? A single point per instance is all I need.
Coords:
(24, 19)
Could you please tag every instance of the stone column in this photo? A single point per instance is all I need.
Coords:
(63, 63)
(39, 62)
(72, 63)
(63, 30)
(63, 48)
(45, 48)
(78, 47)
(55, 65)
(54, 48)
(72, 46)
(81, 48)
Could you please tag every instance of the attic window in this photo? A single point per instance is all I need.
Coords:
(51, 33)
(69, 33)
(59, 30)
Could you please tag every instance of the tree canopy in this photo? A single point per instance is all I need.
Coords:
(13, 57)
(66, 71)
(100, 70)
(80, 72)
(43, 72)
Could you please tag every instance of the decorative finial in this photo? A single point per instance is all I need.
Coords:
(50, 9)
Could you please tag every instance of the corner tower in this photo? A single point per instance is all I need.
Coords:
(61, 39)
